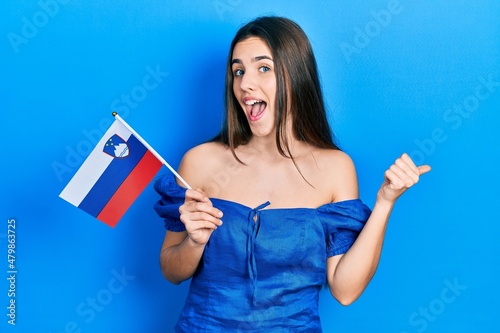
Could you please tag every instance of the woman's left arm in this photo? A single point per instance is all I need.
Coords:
(348, 274)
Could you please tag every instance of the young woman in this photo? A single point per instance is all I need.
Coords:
(275, 213)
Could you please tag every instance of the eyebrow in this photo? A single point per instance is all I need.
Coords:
(255, 59)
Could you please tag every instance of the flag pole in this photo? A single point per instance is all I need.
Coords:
(115, 114)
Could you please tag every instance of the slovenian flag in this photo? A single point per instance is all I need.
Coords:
(117, 170)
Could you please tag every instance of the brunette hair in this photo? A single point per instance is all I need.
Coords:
(298, 93)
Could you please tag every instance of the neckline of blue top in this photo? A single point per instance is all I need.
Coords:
(173, 185)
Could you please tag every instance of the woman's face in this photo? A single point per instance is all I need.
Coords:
(254, 84)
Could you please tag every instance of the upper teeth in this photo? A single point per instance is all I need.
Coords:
(252, 102)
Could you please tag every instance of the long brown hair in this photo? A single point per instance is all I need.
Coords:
(298, 94)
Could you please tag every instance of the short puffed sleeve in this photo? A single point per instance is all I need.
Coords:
(172, 197)
(342, 222)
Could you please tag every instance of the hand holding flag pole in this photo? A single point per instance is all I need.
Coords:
(115, 114)
(114, 174)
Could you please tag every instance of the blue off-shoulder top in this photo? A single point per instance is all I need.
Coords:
(263, 269)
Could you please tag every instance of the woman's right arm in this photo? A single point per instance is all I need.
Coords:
(181, 251)
(179, 257)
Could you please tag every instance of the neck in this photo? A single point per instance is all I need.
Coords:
(265, 148)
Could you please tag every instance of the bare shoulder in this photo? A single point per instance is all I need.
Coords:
(204, 151)
(334, 158)
(338, 169)
(201, 161)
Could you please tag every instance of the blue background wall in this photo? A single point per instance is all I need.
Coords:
(415, 76)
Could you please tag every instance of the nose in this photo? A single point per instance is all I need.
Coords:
(248, 82)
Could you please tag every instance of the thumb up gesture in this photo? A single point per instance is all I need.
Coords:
(402, 175)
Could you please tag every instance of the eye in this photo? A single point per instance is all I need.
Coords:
(264, 69)
(238, 72)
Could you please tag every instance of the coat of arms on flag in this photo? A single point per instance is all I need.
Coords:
(108, 183)
(116, 147)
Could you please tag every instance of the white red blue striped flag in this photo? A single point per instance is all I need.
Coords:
(114, 174)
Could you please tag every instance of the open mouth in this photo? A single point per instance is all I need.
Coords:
(255, 108)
